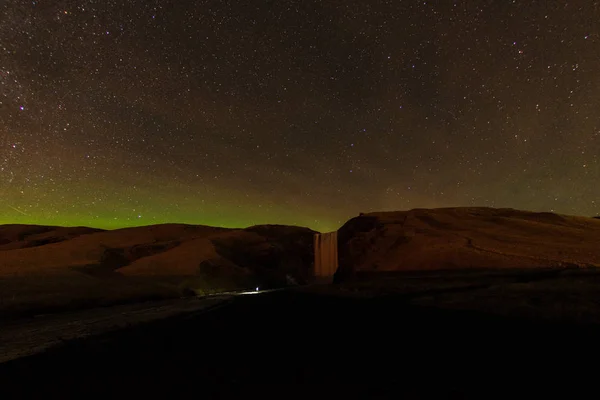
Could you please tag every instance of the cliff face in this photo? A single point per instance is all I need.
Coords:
(281, 254)
(355, 241)
(463, 238)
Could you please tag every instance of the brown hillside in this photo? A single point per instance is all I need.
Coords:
(22, 236)
(463, 238)
(158, 250)
(98, 251)
(82, 267)
(273, 253)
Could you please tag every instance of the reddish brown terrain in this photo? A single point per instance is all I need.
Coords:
(53, 267)
(49, 268)
(461, 303)
(466, 238)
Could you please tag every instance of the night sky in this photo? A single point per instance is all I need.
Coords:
(117, 113)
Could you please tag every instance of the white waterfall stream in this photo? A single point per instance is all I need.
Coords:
(326, 254)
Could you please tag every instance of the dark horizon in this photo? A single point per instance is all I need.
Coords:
(294, 225)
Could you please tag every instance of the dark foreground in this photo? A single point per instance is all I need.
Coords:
(304, 345)
(32, 335)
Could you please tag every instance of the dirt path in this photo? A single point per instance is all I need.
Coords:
(33, 335)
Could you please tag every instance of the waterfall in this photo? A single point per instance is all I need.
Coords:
(326, 254)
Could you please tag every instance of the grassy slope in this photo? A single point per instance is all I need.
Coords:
(458, 238)
(80, 267)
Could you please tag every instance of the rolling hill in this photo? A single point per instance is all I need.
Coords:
(51, 267)
(465, 238)
(44, 268)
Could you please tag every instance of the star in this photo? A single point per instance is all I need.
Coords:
(201, 114)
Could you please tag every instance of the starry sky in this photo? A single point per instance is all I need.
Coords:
(124, 112)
